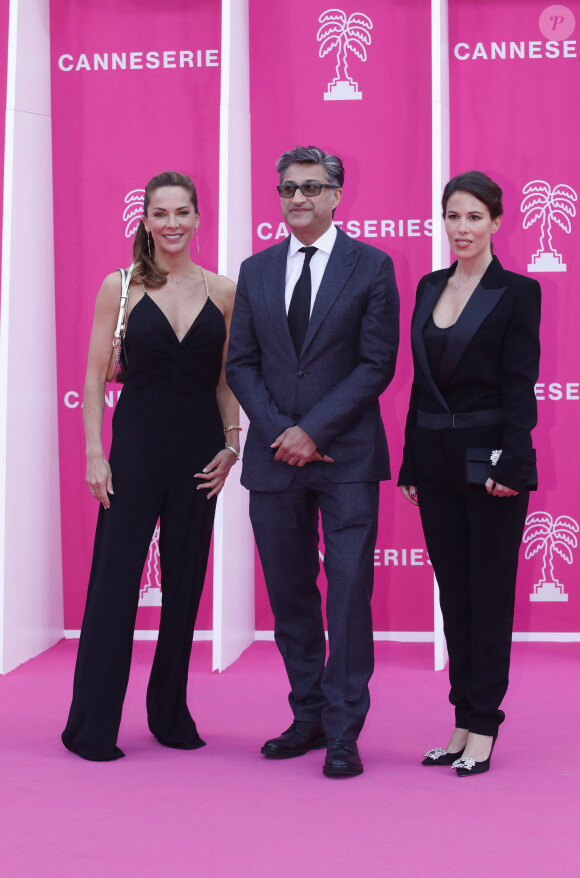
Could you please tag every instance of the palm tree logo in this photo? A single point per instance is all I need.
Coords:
(548, 205)
(344, 34)
(150, 591)
(543, 534)
(133, 212)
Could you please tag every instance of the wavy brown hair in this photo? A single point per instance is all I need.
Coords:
(146, 270)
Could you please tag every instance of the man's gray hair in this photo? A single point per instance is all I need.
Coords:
(302, 155)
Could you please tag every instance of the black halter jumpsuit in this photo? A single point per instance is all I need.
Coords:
(166, 427)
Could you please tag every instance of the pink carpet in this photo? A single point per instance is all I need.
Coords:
(226, 811)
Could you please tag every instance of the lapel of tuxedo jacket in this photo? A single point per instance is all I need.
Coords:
(481, 303)
(274, 284)
(341, 263)
(425, 307)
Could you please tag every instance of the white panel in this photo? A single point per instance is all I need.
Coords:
(141, 634)
(440, 176)
(546, 637)
(440, 134)
(234, 615)
(440, 649)
(31, 613)
(32, 86)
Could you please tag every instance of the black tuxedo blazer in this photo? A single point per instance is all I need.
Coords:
(491, 361)
(332, 390)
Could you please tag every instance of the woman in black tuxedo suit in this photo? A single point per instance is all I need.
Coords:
(476, 349)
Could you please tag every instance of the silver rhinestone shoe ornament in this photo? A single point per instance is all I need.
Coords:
(495, 456)
(437, 753)
(464, 763)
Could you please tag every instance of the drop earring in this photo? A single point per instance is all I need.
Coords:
(149, 244)
(197, 241)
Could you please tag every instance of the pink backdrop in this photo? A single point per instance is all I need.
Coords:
(384, 138)
(136, 91)
(516, 118)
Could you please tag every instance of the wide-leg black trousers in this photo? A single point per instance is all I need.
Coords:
(473, 541)
(121, 544)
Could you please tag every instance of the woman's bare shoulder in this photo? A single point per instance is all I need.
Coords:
(111, 284)
(221, 288)
(109, 294)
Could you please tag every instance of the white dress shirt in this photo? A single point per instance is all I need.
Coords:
(318, 263)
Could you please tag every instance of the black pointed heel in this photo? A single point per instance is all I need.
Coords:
(439, 756)
(469, 767)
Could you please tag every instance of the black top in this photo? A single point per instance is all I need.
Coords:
(167, 414)
(435, 340)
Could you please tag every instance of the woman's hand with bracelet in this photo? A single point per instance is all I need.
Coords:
(215, 473)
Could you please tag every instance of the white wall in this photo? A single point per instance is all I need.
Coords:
(31, 613)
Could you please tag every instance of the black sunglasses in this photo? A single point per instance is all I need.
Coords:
(309, 190)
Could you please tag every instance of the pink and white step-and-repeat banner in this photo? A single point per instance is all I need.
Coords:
(515, 79)
(136, 91)
(356, 80)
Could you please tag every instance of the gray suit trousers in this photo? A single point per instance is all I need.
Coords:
(334, 691)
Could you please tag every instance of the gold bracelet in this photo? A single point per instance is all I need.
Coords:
(231, 427)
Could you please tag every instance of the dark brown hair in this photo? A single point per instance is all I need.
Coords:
(480, 186)
(146, 269)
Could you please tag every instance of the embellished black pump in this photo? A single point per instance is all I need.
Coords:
(469, 767)
(439, 756)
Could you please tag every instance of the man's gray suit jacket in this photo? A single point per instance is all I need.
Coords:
(332, 390)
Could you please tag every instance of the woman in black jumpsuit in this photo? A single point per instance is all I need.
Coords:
(168, 443)
(476, 350)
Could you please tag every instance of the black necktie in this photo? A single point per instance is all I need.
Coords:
(299, 309)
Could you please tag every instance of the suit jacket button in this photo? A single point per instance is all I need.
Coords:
(300, 374)
(296, 416)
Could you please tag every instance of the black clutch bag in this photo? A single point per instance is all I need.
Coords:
(478, 469)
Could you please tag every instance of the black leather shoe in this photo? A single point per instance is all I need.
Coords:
(439, 756)
(301, 737)
(342, 759)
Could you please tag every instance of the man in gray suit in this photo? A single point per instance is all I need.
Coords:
(313, 345)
